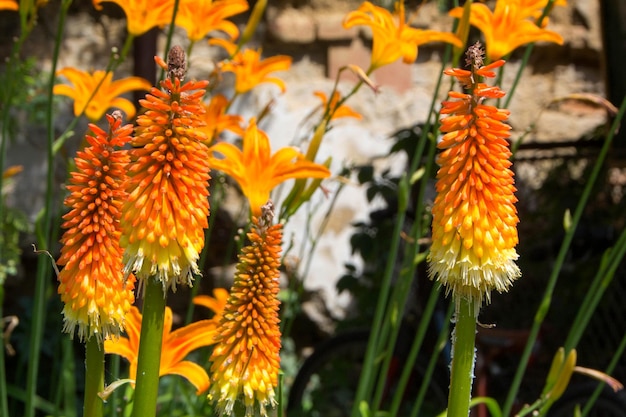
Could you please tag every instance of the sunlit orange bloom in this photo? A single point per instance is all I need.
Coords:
(251, 71)
(245, 359)
(474, 230)
(336, 112)
(9, 5)
(257, 171)
(176, 346)
(217, 303)
(106, 96)
(534, 8)
(392, 37)
(216, 120)
(507, 27)
(142, 15)
(92, 285)
(200, 17)
(167, 208)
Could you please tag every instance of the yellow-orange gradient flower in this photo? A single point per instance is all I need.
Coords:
(199, 17)
(106, 96)
(507, 27)
(142, 15)
(392, 37)
(257, 171)
(333, 108)
(168, 205)
(9, 5)
(176, 346)
(92, 286)
(216, 120)
(250, 70)
(245, 359)
(474, 230)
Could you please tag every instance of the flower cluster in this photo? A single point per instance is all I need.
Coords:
(97, 297)
(167, 207)
(474, 216)
(245, 359)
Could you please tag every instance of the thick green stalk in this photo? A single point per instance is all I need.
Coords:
(149, 358)
(94, 377)
(569, 235)
(463, 356)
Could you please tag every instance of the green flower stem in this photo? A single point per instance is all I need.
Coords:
(94, 377)
(4, 407)
(46, 234)
(462, 372)
(563, 251)
(149, 357)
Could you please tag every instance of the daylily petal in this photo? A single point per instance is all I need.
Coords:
(257, 171)
(193, 373)
(200, 17)
(250, 70)
(143, 15)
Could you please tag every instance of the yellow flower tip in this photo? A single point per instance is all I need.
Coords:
(142, 15)
(199, 17)
(175, 347)
(250, 70)
(245, 360)
(392, 37)
(474, 231)
(508, 27)
(92, 286)
(256, 170)
(95, 92)
(9, 5)
(167, 207)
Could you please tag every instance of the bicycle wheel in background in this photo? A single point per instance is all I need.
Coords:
(326, 384)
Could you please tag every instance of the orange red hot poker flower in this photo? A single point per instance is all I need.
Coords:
(245, 359)
(474, 230)
(167, 205)
(92, 286)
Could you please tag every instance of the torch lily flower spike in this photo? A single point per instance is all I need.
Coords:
(92, 286)
(474, 231)
(167, 206)
(245, 359)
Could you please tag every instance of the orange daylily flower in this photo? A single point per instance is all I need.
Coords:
(199, 17)
(251, 71)
(534, 8)
(216, 120)
(167, 207)
(474, 230)
(176, 346)
(392, 37)
(246, 356)
(336, 112)
(9, 5)
(142, 15)
(507, 27)
(215, 303)
(107, 95)
(257, 171)
(92, 286)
